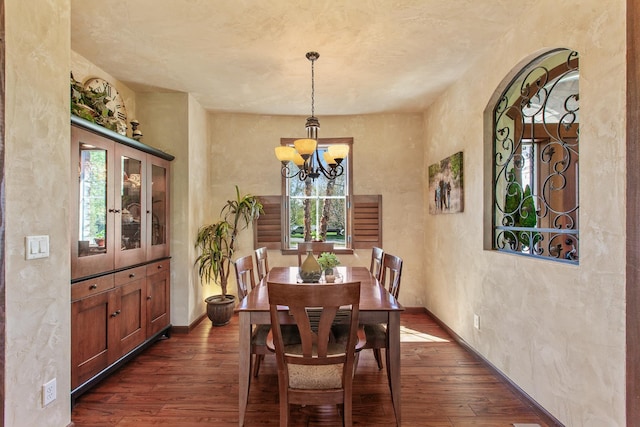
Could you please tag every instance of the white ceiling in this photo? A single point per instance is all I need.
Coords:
(249, 56)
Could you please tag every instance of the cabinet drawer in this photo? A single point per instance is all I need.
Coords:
(158, 267)
(91, 287)
(129, 275)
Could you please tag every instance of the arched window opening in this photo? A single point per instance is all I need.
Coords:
(535, 160)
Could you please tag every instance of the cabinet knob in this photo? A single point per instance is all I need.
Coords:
(93, 287)
(159, 266)
(114, 314)
(148, 297)
(132, 275)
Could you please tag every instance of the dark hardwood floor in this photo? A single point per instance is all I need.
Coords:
(192, 380)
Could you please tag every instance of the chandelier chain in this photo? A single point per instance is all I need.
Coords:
(313, 88)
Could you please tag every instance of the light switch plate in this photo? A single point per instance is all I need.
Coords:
(36, 247)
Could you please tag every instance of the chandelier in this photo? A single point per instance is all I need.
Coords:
(305, 155)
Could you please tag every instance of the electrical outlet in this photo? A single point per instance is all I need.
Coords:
(476, 321)
(49, 392)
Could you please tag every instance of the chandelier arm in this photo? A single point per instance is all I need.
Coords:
(330, 172)
(303, 174)
(333, 172)
(287, 172)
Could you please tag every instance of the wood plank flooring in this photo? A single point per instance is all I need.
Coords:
(192, 380)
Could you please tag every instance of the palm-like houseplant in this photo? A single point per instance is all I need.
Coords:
(216, 245)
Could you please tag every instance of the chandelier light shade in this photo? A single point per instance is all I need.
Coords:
(305, 154)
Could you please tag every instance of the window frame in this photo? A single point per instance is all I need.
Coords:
(285, 232)
(559, 243)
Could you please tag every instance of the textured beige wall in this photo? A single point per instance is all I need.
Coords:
(556, 330)
(164, 122)
(175, 123)
(37, 202)
(388, 155)
(200, 202)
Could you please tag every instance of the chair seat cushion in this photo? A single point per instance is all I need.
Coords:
(259, 335)
(376, 335)
(290, 334)
(315, 377)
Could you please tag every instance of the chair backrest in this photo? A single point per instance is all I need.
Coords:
(316, 348)
(391, 274)
(262, 262)
(376, 262)
(315, 247)
(244, 275)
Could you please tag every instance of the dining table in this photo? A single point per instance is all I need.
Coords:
(377, 305)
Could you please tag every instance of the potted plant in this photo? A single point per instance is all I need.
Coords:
(327, 261)
(216, 246)
(99, 238)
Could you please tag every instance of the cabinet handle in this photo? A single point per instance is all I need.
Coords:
(93, 287)
(159, 266)
(132, 275)
(148, 297)
(115, 313)
(114, 210)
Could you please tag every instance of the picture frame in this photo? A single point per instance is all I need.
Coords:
(446, 185)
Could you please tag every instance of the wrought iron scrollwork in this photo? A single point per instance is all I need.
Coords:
(535, 184)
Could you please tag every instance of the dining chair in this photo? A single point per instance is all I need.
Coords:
(245, 277)
(246, 283)
(390, 275)
(317, 371)
(262, 262)
(376, 262)
(315, 247)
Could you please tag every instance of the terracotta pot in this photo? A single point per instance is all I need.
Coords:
(220, 309)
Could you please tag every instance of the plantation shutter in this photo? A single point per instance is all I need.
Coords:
(267, 230)
(367, 221)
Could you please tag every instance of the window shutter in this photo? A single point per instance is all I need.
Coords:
(367, 221)
(267, 230)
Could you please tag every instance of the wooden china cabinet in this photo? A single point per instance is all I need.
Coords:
(120, 287)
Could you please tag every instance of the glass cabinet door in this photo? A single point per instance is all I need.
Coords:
(119, 205)
(93, 229)
(92, 209)
(130, 194)
(158, 208)
(130, 224)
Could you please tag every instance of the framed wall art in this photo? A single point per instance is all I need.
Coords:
(446, 190)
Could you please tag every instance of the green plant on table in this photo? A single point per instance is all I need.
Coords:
(328, 260)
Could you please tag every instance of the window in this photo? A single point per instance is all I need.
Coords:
(319, 208)
(535, 160)
(351, 221)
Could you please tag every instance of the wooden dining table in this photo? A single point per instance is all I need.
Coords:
(377, 305)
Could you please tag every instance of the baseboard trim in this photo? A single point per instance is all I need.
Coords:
(414, 310)
(541, 412)
(187, 329)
